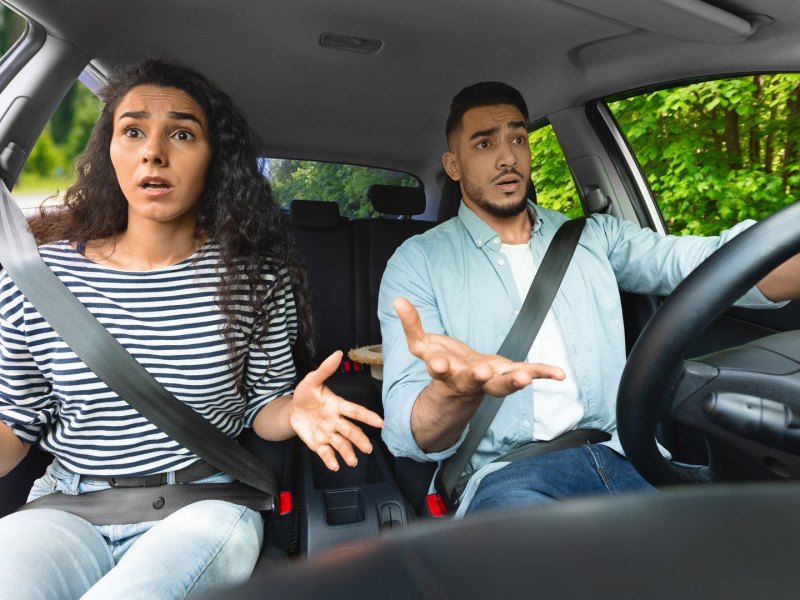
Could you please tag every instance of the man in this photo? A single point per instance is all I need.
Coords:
(454, 292)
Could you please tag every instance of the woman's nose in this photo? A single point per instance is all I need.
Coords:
(154, 152)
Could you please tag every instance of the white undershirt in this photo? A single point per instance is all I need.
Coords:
(557, 404)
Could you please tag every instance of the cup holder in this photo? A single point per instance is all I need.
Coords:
(344, 507)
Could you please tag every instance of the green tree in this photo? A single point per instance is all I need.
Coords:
(554, 185)
(344, 184)
(717, 152)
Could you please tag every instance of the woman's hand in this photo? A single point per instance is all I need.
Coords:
(320, 417)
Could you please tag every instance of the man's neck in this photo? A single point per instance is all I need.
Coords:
(516, 229)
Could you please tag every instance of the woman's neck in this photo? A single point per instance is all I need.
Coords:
(145, 248)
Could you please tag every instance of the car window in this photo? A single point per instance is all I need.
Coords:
(346, 185)
(717, 152)
(49, 168)
(554, 185)
(11, 28)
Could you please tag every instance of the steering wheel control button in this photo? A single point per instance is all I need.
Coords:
(159, 503)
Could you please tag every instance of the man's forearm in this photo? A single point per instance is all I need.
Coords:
(12, 449)
(783, 283)
(438, 419)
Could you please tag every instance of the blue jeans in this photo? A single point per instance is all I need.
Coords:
(584, 471)
(47, 553)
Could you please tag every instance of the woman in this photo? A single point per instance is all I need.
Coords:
(171, 238)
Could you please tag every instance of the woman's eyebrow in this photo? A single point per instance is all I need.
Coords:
(179, 116)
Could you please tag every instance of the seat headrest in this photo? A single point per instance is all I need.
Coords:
(396, 199)
(314, 214)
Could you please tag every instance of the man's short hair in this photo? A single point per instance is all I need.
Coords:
(485, 93)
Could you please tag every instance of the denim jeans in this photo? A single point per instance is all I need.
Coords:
(584, 471)
(52, 554)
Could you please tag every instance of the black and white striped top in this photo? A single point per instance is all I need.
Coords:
(169, 320)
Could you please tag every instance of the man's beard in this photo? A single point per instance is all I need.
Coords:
(502, 211)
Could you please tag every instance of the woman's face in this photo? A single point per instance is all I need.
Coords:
(160, 149)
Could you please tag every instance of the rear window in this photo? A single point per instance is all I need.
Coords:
(346, 185)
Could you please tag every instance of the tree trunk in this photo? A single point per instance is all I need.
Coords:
(732, 144)
(790, 153)
(755, 133)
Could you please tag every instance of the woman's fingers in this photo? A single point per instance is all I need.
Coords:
(355, 411)
(328, 456)
(344, 448)
(326, 369)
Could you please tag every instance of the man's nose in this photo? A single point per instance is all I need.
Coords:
(507, 158)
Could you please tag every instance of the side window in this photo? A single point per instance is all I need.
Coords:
(554, 185)
(49, 169)
(717, 152)
(344, 184)
(11, 28)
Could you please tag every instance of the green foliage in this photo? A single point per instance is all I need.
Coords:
(65, 137)
(46, 158)
(344, 184)
(717, 152)
(549, 171)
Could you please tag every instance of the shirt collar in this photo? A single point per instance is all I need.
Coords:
(480, 232)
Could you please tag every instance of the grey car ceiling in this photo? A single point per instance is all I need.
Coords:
(388, 108)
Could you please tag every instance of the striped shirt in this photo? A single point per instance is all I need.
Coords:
(169, 320)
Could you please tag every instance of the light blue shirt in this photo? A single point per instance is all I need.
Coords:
(461, 284)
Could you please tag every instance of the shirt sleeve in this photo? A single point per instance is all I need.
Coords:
(646, 262)
(270, 371)
(404, 375)
(27, 404)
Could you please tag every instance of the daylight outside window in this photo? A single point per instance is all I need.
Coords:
(717, 152)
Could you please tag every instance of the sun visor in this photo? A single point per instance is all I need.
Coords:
(692, 20)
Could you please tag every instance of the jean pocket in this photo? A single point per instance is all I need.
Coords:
(43, 486)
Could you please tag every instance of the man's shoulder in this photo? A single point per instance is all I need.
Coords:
(434, 239)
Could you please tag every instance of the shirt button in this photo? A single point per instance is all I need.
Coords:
(501, 262)
(526, 424)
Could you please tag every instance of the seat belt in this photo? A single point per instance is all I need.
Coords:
(516, 346)
(111, 362)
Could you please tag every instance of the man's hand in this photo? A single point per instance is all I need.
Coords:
(462, 371)
(317, 415)
(460, 376)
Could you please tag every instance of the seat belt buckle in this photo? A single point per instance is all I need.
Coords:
(434, 505)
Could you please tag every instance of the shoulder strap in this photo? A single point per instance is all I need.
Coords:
(518, 342)
(101, 352)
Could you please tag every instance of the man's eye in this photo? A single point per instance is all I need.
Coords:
(482, 144)
(183, 135)
(520, 140)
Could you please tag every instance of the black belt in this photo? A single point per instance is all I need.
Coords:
(195, 471)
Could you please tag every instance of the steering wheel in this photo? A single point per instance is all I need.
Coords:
(748, 397)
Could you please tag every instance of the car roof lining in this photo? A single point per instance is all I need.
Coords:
(344, 105)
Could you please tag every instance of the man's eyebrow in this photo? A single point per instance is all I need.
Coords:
(484, 133)
(494, 130)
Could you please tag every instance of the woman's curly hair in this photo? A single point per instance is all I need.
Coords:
(237, 209)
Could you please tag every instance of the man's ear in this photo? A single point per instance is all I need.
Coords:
(451, 166)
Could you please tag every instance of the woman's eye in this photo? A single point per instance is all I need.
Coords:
(132, 132)
(183, 135)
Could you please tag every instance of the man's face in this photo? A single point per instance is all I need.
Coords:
(490, 156)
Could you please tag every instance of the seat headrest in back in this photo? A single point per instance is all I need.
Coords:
(396, 199)
(314, 214)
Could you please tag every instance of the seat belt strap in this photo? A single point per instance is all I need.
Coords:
(110, 361)
(516, 345)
